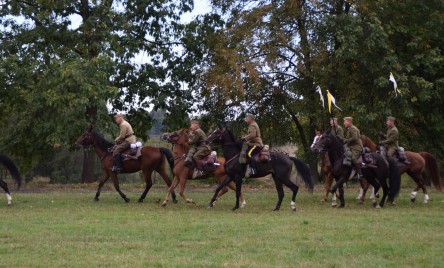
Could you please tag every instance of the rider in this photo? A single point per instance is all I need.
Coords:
(253, 143)
(335, 129)
(354, 143)
(198, 148)
(123, 141)
(390, 141)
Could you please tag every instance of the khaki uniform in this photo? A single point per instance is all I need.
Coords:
(391, 141)
(253, 138)
(197, 141)
(338, 131)
(353, 141)
(125, 138)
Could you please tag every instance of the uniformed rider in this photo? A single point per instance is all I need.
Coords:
(198, 149)
(354, 143)
(335, 129)
(252, 143)
(390, 140)
(123, 141)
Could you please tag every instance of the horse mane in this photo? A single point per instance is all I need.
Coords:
(231, 134)
(337, 144)
(101, 141)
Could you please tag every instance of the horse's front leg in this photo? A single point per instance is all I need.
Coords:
(238, 181)
(117, 187)
(173, 186)
(280, 190)
(218, 189)
(148, 184)
(105, 177)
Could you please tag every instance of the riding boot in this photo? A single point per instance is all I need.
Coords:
(189, 159)
(358, 170)
(253, 166)
(117, 163)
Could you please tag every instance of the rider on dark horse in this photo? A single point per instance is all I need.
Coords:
(336, 129)
(390, 140)
(252, 144)
(354, 143)
(123, 141)
(198, 149)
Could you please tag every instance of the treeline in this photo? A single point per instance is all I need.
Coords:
(65, 63)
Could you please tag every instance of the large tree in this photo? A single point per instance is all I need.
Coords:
(65, 63)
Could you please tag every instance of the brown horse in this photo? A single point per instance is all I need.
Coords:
(9, 165)
(420, 162)
(182, 173)
(328, 179)
(151, 159)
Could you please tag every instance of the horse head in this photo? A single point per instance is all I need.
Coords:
(86, 138)
(325, 143)
(176, 137)
(216, 136)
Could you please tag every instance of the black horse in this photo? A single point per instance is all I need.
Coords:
(375, 173)
(9, 165)
(280, 167)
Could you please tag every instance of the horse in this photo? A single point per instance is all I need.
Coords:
(376, 173)
(182, 173)
(419, 162)
(328, 179)
(151, 159)
(9, 165)
(280, 167)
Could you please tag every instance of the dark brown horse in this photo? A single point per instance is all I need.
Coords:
(382, 173)
(420, 162)
(12, 168)
(151, 159)
(179, 140)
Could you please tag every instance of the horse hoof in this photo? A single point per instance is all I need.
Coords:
(210, 205)
(141, 201)
(378, 207)
(127, 200)
(164, 204)
(413, 200)
(341, 206)
(323, 200)
(293, 209)
(334, 205)
(96, 199)
(175, 201)
(234, 209)
(374, 205)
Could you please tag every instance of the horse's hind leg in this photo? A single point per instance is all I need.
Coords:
(280, 191)
(117, 187)
(168, 182)
(232, 186)
(295, 190)
(4, 186)
(420, 185)
(218, 189)
(171, 190)
(148, 184)
(105, 177)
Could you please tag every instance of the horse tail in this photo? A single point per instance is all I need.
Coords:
(169, 157)
(394, 178)
(432, 169)
(305, 173)
(9, 164)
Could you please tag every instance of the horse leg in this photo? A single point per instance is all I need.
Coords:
(182, 184)
(232, 186)
(117, 187)
(238, 180)
(363, 191)
(168, 182)
(105, 177)
(420, 185)
(4, 186)
(327, 185)
(341, 196)
(170, 190)
(280, 190)
(218, 189)
(294, 189)
(385, 190)
(148, 184)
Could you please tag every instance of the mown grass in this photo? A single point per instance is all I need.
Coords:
(67, 229)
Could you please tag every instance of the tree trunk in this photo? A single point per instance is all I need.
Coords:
(89, 160)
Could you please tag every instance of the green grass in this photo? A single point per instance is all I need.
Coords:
(65, 228)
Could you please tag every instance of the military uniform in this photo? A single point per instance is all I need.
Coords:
(197, 141)
(353, 142)
(252, 145)
(338, 131)
(124, 140)
(391, 141)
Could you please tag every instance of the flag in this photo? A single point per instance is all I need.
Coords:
(330, 100)
(395, 85)
(318, 89)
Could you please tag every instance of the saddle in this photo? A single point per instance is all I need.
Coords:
(263, 156)
(133, 153)
(206, 164)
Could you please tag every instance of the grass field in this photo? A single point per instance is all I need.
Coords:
(63, 227)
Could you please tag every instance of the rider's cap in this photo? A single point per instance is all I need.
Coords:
(249, 116)
(195, 122)
(349, 118)
(391, 118)
(118, 115)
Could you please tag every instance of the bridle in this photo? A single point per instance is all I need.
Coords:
(174, 137)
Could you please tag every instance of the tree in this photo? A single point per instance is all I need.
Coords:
(58, 77)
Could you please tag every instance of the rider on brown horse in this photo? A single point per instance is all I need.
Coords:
(390, 140)
(123, 141)
(353, 142)
(198, 149)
